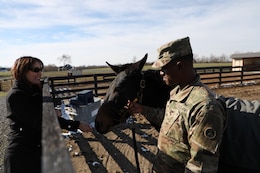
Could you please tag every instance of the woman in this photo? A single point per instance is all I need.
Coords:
(24, 111)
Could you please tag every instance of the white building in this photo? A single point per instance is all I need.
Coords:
(249, 61)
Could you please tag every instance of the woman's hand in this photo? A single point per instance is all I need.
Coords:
(58, 112)
(85, 127)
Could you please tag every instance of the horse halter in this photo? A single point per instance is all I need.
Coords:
(123, 113)
(140, 92)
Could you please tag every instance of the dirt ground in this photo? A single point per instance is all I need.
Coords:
(113, 152)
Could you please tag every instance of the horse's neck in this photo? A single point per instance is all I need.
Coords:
(155, 92)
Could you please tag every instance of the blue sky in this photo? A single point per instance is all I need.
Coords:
(121, 31)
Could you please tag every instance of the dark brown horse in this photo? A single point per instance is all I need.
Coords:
(130, 83)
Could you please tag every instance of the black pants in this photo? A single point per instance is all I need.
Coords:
(227, 168)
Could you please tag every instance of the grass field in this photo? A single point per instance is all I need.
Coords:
(98, 70)
(2, 94)
(108, 70)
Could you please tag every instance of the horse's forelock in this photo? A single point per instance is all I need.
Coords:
(154, 75)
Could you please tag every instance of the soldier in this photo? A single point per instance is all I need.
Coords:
(194, 118)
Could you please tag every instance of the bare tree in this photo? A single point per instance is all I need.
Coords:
(65, 59)
(134, 59)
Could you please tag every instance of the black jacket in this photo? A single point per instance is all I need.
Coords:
(24, 111)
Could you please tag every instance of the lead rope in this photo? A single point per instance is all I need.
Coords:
(139, 100)
(135, 147)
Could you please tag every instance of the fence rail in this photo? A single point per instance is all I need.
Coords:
(63, 87)
(221, 76)
(67, 86)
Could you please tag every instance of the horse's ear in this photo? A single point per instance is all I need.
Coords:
(142, 62)
(118, 68)
(138, 66)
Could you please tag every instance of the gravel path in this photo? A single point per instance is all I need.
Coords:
(3, 131)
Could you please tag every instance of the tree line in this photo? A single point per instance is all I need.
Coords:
(66, 59)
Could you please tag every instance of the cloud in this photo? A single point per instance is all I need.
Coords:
(93, 32)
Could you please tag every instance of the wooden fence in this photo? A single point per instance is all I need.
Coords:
(6, 83)
(223, 76)
(67, 86)
(215, 77)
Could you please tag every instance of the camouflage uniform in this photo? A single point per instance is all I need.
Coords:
(191, 131)
(193, 123)
(154, 115)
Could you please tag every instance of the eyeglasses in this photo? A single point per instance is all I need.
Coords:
(36, 70)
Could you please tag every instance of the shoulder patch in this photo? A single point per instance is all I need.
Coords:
(210, 133)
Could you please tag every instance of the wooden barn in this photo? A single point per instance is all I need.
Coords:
(249, 61)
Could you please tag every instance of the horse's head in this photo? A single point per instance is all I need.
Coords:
(128, 85)
(108, 116)
(123, 88)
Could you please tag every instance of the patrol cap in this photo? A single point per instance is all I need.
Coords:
(174, 49)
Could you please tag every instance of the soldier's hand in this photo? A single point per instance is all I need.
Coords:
(134, 107)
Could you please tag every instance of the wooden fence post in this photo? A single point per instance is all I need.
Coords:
(242, 74)
(220, 76)
(55, 156)
(96, 85)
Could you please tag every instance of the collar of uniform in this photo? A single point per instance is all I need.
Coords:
(179, 95)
